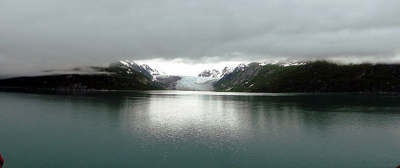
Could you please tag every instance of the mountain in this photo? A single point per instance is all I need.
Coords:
(122, 75)
(210, 73)
(226, 71)
(143, 68)
(294, 77)
(215, 73)
(312, 77)
(153, 72)
(169, 82)
(83, 82)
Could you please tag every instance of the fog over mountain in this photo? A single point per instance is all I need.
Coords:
(38, 35)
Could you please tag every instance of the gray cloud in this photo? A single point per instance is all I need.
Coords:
(43, 34)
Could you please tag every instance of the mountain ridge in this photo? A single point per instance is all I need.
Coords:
(121, 75)
(312, 77)
(293, 77)
(214, 73)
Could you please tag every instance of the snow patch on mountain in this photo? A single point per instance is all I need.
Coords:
(268, 63)
(280, 63)
(293, 63)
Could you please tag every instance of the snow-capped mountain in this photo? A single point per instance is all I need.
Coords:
(143, 68)
(210, 73)
(226, 71)
(152, 71)
(241, 67)
(216, 73)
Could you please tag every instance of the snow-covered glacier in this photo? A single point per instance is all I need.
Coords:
(192, 83)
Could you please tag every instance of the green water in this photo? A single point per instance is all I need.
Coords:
(198, 129)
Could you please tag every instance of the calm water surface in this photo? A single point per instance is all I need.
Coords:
(198, 129)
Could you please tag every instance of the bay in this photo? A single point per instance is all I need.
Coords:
(198, 129)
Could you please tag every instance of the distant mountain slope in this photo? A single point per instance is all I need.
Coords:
(169, 82)
(84, 82)
(115, 77)
(312, 77)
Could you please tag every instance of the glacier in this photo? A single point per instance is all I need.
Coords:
(192, 83)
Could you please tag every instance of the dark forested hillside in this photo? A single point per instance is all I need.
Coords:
(313, 77)
(114, 77)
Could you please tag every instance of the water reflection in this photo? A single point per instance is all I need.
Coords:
(183, 118)
(235, 123)
(190, 129)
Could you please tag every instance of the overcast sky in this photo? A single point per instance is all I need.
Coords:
(37, 35)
